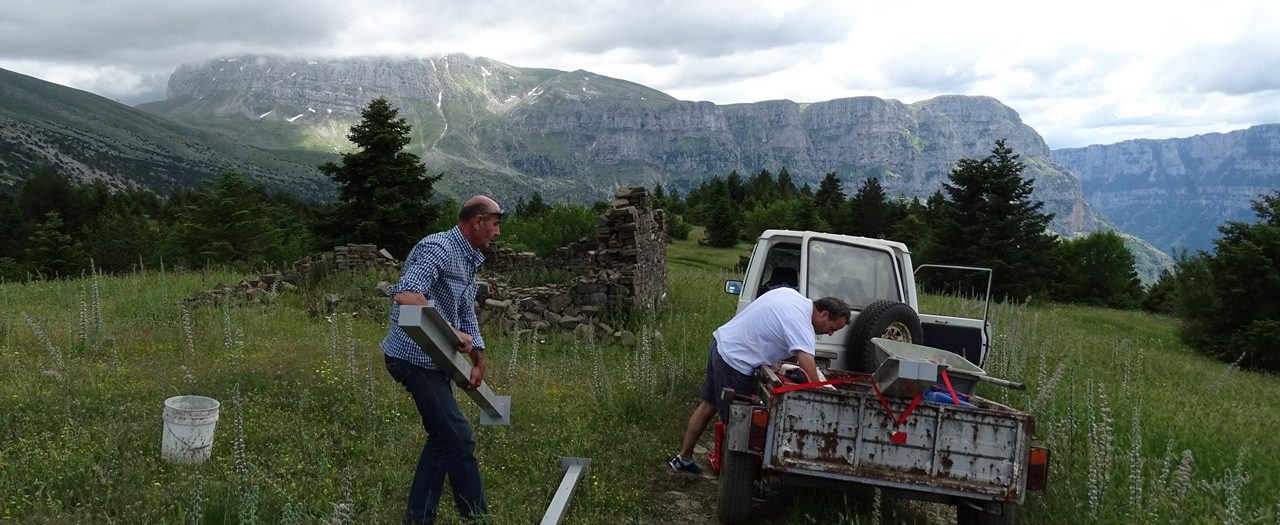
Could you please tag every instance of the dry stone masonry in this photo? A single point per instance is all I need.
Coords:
(619, 272)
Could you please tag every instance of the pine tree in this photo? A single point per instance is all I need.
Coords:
(536, 207)
(1229, 301)
(737, 189)
(786, 187)
(991, 221)
(723, 221)
(761, 189)
(52, 252)
(870, 214)
(385, 196)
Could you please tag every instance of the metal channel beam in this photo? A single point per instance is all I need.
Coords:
(427, 327)
(574, 470)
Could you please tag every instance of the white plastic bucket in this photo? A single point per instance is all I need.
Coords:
(188, 428)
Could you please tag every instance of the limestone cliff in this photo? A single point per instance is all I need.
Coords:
(507, 130)
(1176, 192)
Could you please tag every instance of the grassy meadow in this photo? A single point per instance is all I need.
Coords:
(313, 430)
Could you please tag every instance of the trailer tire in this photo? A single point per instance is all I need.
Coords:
(737, 474)
(884, 318)
(966, 515)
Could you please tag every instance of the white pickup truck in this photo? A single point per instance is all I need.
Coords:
(978, 457)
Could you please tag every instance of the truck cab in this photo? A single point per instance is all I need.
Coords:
(861, 271)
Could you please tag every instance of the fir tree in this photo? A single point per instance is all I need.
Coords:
(870, 214)
(991, 221)
(52, 252)
(385, 195)
(723, 221)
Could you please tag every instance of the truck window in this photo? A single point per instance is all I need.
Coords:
(781, 267)
(855, 274)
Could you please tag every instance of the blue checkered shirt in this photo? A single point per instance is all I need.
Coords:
(442, 267)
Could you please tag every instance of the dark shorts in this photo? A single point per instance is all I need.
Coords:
(719, 376)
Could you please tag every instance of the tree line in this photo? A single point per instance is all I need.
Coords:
(55, 229)
(983, 215)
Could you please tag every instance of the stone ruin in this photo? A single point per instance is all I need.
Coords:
(623, 270)
(350, 257)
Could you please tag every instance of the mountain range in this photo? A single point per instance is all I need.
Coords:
(1176, 192)
(504, 130)
(508, 131)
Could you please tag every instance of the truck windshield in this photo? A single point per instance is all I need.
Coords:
(856, 274)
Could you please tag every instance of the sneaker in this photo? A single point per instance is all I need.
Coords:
(761, 493)
(680, 464)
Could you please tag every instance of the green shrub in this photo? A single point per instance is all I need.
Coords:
(564, 224)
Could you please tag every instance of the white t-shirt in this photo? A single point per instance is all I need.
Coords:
(770, 329)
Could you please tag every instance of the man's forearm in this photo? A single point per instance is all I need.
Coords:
(808, 364)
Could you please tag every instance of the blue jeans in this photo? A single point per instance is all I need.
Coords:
(450, 447)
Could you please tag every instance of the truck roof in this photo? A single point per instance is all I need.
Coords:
(768, 234)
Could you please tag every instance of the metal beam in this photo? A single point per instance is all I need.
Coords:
(574, 469)
(427, 327)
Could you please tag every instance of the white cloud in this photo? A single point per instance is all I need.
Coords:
(1080, 72)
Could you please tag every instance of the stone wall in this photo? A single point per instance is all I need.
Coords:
(350, 257)
(621, 270)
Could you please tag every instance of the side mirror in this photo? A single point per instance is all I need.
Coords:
(733, 287)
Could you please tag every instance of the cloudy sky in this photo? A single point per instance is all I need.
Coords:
(1081, 72)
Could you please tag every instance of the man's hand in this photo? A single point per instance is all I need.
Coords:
(477, 373)
(464, 341)
(410, 298)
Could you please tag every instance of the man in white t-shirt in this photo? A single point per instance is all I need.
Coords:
(777, 325)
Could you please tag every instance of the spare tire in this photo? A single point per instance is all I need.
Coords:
(884, 318)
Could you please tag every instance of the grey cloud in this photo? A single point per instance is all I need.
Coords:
(698, 29)
(157, 32)
(1243, 67)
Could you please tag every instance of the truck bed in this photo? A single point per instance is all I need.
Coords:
(844, 434)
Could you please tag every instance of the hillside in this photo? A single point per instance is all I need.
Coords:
(1176, 192)
(1151, 431)
(87, 137)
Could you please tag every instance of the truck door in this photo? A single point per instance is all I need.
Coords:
(970, 338)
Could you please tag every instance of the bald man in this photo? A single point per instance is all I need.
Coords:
(442, 268)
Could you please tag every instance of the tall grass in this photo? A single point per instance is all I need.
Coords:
(1142, 429)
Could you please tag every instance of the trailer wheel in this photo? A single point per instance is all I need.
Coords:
(737, 473)
(886, 319)
(966, 515)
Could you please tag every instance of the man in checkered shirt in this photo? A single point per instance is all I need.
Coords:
(442, 269)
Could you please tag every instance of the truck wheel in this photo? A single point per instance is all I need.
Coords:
(966, 515)
(737, 473)
(886, 319)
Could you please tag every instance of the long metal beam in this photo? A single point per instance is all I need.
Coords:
(574, 470)
(427, 327)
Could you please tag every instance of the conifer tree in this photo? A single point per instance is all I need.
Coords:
(385, 195)
(761, 189)
(870, 214)
(1229, 301)
(786, 187)
(52, 252)
(991, 221)
(536, 207)
(723, 221)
